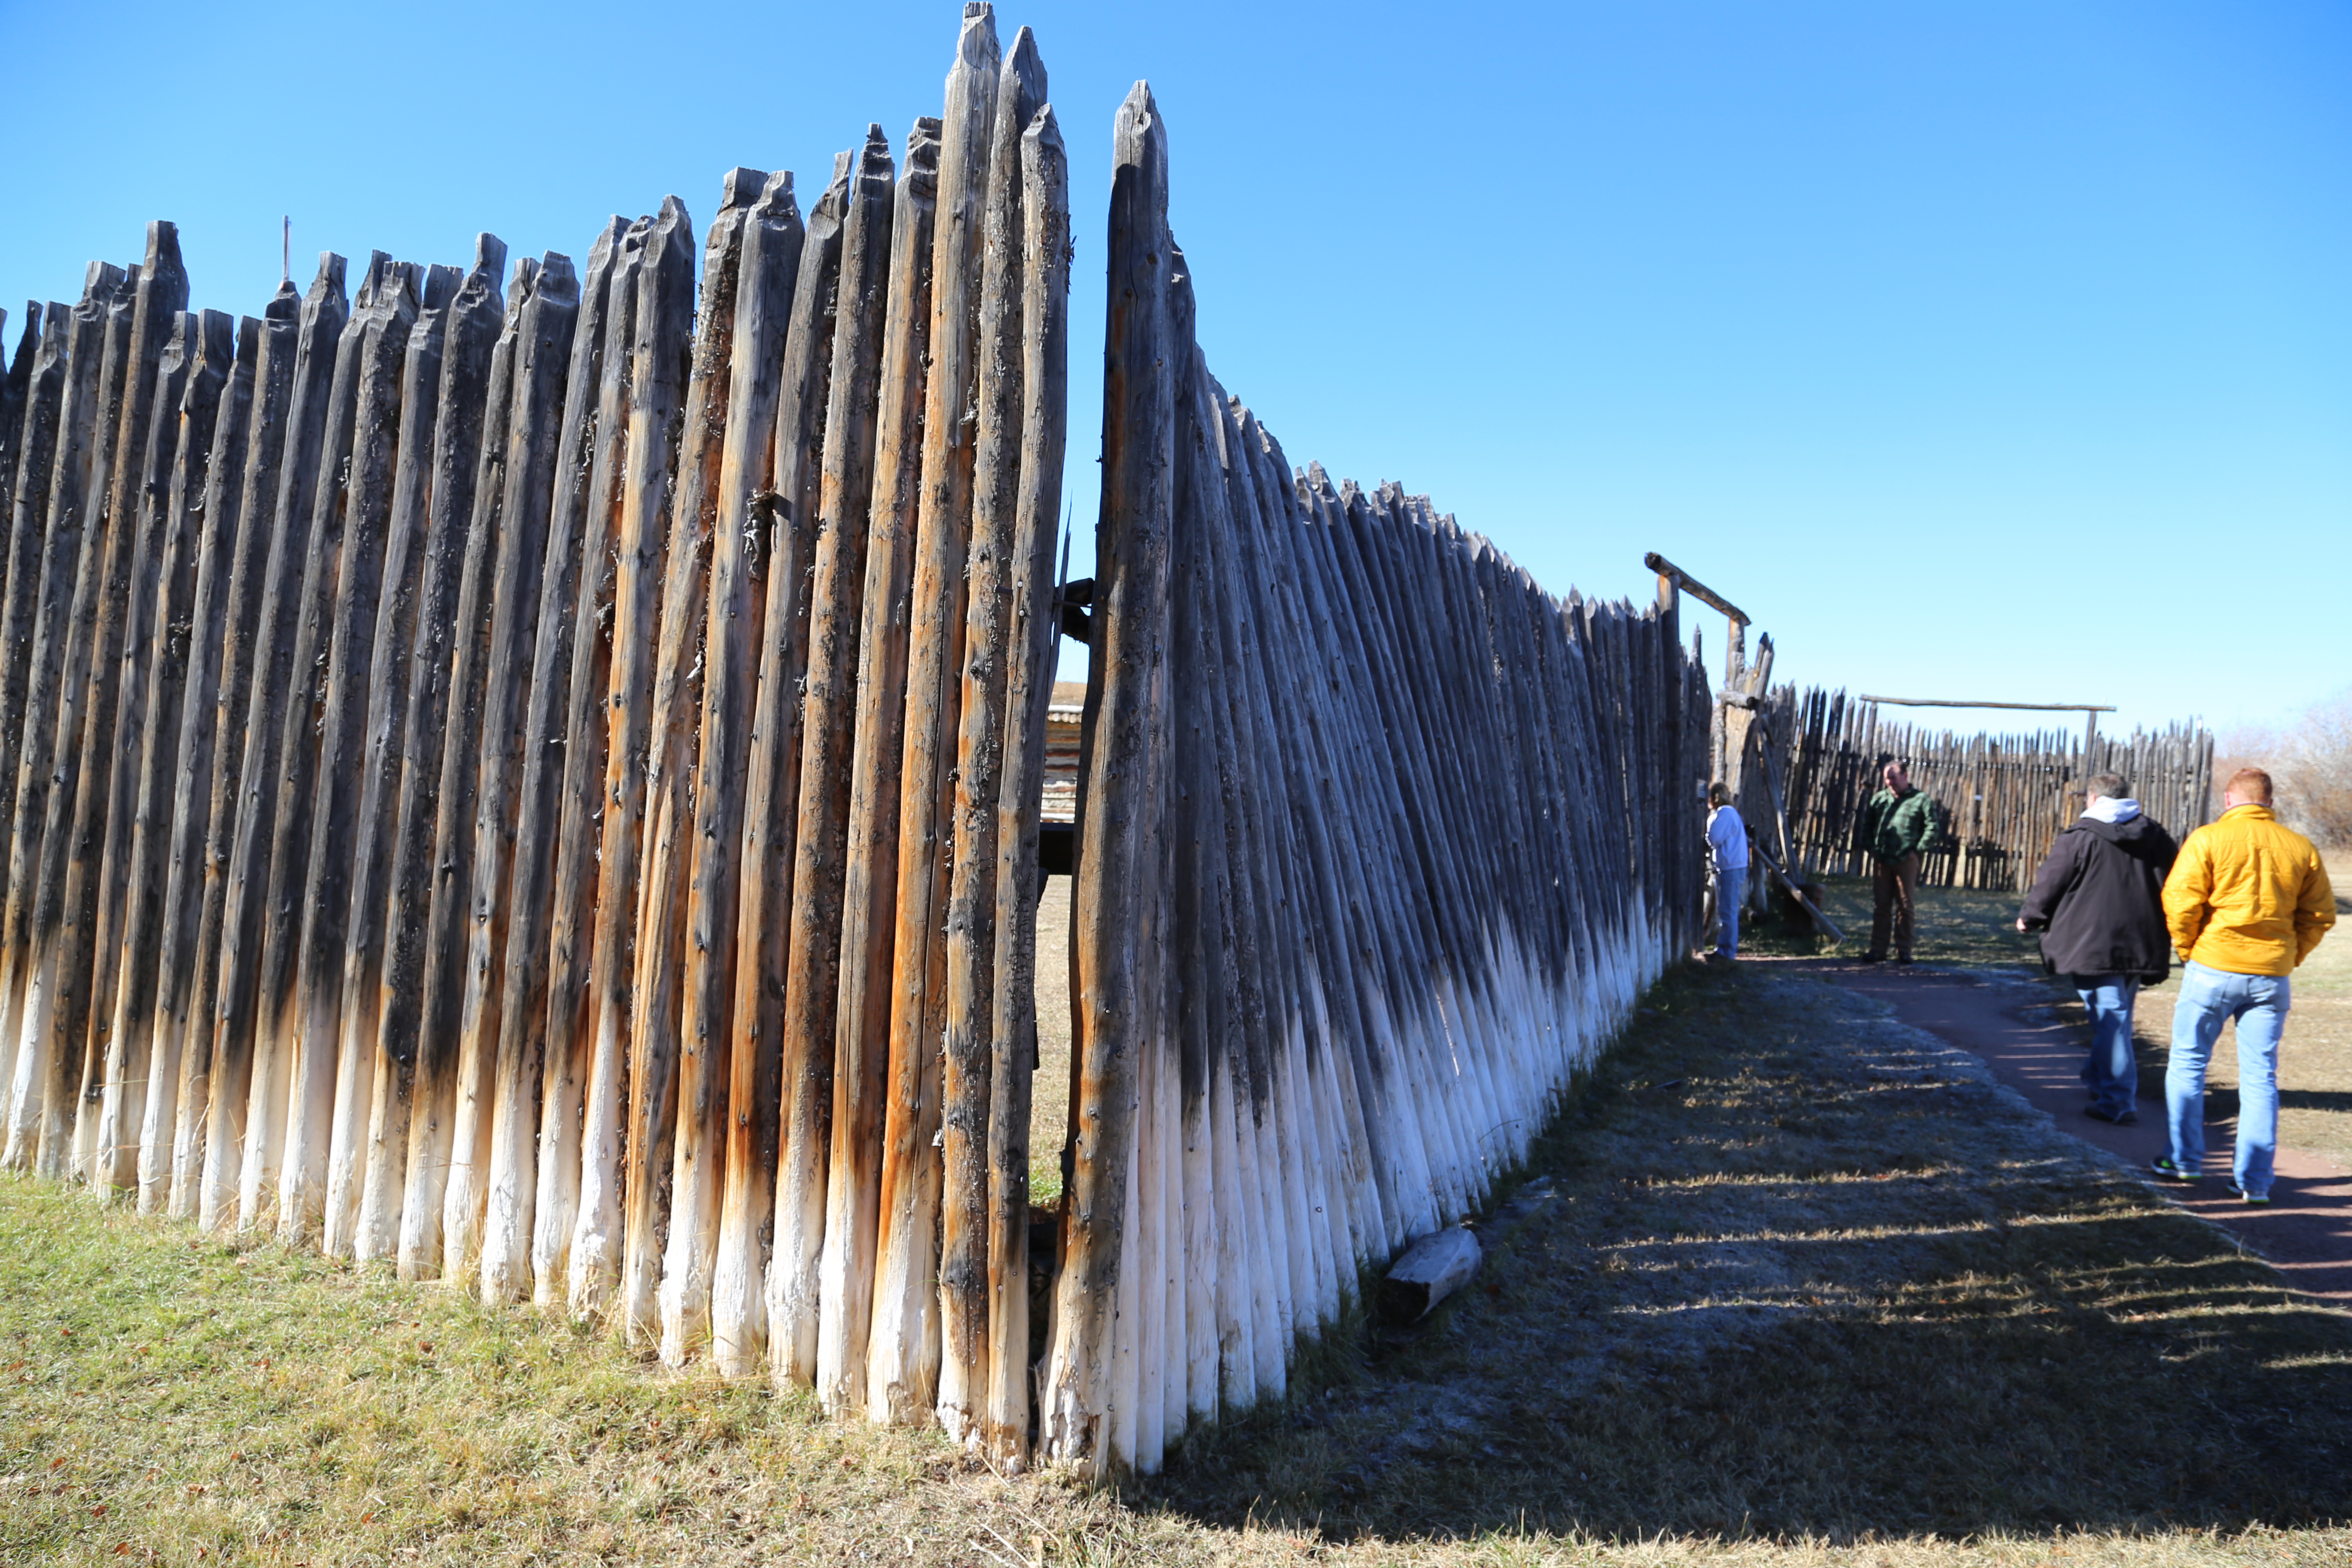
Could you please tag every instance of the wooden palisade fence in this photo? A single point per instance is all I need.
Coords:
(533, 779)
(2001, 798)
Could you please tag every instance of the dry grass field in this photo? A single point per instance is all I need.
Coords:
(1812, 1290)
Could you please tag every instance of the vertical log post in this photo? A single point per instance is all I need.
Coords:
(1114, 885)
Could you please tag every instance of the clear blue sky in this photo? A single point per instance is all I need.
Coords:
(1977, 349)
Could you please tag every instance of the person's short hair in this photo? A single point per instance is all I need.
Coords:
(1718, 794)
(2114, 787)
(2252, 784)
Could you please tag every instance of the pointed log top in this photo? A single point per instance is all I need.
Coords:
(1140, 137)
(378, 268)
(923, 145)
(329, 280)
(248, 343)
(441, 284)
(1045, 130)
(163, 264)
(777, 204)
(556, 281)
(1024, 64)
(489, 255)
(101, 283)
(741, 188)
(672, 225)
(874, 158)
(526, 280)
(285, 305)
(608, 242)
(976, 45)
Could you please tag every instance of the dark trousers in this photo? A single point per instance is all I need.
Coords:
(1894, 888)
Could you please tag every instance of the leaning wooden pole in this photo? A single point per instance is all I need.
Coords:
(661, 363)
(853, 1067)
(571, 917)
(970, 958)
(473, 323)
(277, 1050)
(78, 504)
(161, 665)
(189, 974)
(374, 829)
(732, 643)
(99, 879)
(673, 750)
(52, 506)
(236, 990)
(812, 934)
(1113, 889)
(549, 322)
(575, 527)
(337, 708)
(1044, 279)
(738, 1310)
(904, 1351)
(445, 894)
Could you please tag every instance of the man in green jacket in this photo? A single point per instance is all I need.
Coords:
(1897, 827)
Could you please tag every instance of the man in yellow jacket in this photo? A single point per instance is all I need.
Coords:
(2246, 902)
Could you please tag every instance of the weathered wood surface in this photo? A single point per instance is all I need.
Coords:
(759, 360)
(566, 818)
(818, 777)
(571, 917)
(846, 1085)
(662, 362)
(235, 989)
(137, 506)
(785, 507)
(1431, 1268)
(215, 525)
(577, 538)
(334, 703)
(673, 751)
(158, 663)
(547, 323)
(472, 324)
(903, 1358)
(190, 974)
(33, 592)
(438, 1112)
(373, 828)
(1044, 238)
(1082, 1403)
(71, 504)
(56, 1037)
(970, 825)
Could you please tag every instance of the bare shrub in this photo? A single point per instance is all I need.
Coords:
(2316, 765)
(2310, 757)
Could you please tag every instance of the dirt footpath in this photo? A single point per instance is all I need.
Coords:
(2306, 1231)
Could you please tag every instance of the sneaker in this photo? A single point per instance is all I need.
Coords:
(1872, 958)
(2113, 1118)
(2244, 1197)
(2166, 1170)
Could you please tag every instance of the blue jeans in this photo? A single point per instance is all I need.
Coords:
(2110, 1070)
(2209, 998)
(1730, 890)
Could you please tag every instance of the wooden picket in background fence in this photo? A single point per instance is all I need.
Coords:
(2001, 798)
(535, 780)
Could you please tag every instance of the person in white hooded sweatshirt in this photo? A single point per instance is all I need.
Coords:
(2099, 903)
(1726, 857)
